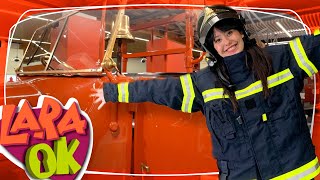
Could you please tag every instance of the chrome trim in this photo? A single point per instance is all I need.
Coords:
(82, 72)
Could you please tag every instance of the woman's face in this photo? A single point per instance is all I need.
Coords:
(228, 43)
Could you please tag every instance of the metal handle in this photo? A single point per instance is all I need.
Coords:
(145, 168)
(107, 62)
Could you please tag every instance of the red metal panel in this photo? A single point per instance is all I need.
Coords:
(84, 53)
(170, 141)
(175, 62)
(76, 47)
(165, 63)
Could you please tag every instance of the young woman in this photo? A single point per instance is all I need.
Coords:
(249, 96)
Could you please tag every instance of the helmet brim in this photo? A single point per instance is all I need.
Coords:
(211, 21)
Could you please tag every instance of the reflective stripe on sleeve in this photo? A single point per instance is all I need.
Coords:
(307, 172)
(301, 57)
(123, 92)
(188, 93)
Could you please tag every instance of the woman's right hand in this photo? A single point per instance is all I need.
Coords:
(98, 94)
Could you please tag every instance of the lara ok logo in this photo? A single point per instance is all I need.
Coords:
(48, 141)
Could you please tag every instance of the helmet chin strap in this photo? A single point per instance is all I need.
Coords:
(224, 80)
(212, 63)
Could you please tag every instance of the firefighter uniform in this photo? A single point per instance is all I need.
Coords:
(266, 138)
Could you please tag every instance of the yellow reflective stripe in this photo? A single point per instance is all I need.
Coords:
(301, 57)
(279, 78)
(188, 93)
(273, 80)
(316, 32)
(256, 87)
(307, 171)
(264, 117)
(123, 92)
(211, 94)
(312, 175)
(250, 90)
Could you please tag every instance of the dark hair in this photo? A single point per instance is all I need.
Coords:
(257, 60)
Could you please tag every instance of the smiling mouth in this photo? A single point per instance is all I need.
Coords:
(231, 47)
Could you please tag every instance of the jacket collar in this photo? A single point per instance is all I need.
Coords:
(237, 68)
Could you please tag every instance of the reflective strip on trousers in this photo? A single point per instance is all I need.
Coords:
(188, 93)
(307, 172)
(256, 87)
(301, 57)
(123, 92)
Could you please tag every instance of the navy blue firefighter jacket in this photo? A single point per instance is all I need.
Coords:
(267, 138)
